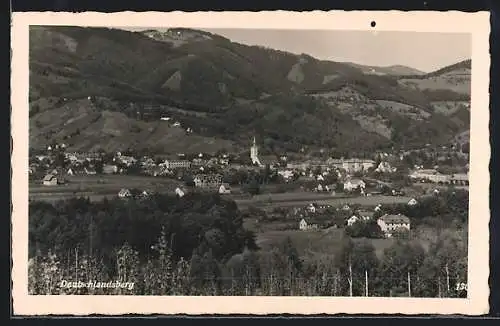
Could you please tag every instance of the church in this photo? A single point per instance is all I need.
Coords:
(254, 154)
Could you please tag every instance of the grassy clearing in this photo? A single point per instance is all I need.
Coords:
(104, 183)
(316, 242)
(333, 201)
(96, 187)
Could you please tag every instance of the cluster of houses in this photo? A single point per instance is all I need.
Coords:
(433, 176)
(353, 165)
(388, 223)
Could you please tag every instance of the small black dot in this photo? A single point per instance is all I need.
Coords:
(373, 23)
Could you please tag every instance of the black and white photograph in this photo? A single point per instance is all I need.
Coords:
(261, 162)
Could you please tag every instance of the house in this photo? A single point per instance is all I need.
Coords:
(351, 165)
(430, 175)
(70, 172)
(365, 215)
(50, 180)
(359, 216)
(109, 169)
(304, 226)
(353, 184)
(412, 202)
(90, 171)
(177, 164)
(353, 219)
(179, 192)
(460, 179)
(148, 161)
(286, 174)
(319, 187)
(385, 167)
(127, 160)
(377, 208)
(346, 207)
(124, 193)
(145, 194)
(208, 180)
(224, 189)
(157, 171)
(390, 223)
(311, 208)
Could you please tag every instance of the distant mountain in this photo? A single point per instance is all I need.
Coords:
(395, 70)
(455, 78)
(108, 88)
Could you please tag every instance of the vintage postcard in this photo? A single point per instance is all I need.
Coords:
(250, 162)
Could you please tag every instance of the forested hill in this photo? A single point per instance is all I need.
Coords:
(107, 88)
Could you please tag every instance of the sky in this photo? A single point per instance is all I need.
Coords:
(423, 51)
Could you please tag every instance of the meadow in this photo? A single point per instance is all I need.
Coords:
(96, 187)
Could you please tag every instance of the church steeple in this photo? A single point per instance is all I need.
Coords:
(254, 142)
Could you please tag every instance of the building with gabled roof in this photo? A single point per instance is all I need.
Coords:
(390, 223)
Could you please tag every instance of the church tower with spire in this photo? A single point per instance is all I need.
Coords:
(254, 153)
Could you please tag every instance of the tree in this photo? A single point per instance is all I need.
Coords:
(188, 180)
(253, 187)
(399, 260)
(291, 254)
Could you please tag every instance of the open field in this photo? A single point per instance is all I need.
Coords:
(96, 187)
(314, 242)
(99, 186)
(105, 184)
(315, 245)
(333, 201)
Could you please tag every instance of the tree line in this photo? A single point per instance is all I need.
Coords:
(197, 245)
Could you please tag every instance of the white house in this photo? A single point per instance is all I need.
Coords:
(412, 202)
(224, 189)
(177, 164)
(353, 219)
(90, 171)
(302, 225)
(430, 175)
(109, 169)
(50, 180)
(311, 208)
(70, 172)
(346, 207)
(385, 167)
(390, 223)
(460, 178)
(353, 184)
(124, 193)
(359, 216)
(179, 192)
(286, 174)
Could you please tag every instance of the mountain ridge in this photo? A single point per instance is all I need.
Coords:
(226, 91)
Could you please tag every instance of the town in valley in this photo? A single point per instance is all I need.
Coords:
(131, 186)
